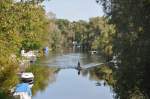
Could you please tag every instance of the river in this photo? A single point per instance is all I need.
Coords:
(70, 83)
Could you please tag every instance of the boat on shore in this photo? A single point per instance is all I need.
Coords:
(27, 77)
(23, 89)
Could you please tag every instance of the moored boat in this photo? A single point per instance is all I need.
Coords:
(23, 89)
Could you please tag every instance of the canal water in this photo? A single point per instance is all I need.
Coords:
(70, 83)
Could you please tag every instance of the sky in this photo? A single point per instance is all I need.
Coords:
(74, 10)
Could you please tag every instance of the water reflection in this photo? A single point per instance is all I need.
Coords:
(57, 82)
(72, 83)
(69, 85)
(43, 77)
(61, 80)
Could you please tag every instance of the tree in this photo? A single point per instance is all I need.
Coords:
(131, 18)
(104, 35)
(22, 25)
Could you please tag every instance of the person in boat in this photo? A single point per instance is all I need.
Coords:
(78, 66)
(22, 91)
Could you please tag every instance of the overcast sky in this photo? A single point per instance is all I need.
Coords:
(74, 10)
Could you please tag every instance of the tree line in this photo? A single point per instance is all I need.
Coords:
(97, 34)
(132, 45)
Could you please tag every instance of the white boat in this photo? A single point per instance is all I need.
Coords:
(93, 52)
(23, 89)
(27, 77)
(29, 55)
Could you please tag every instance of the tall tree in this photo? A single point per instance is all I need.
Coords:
(132, 20)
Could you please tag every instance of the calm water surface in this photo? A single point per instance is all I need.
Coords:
(70, 83)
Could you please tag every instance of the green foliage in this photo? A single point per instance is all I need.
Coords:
(131, 18)
(4, 96)
(66, 34)
(105, 37)
(82, 32)
(103, 72)
(56, 37)
(30, 45)
(95, 34)
(22, 25)
(8, 76)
